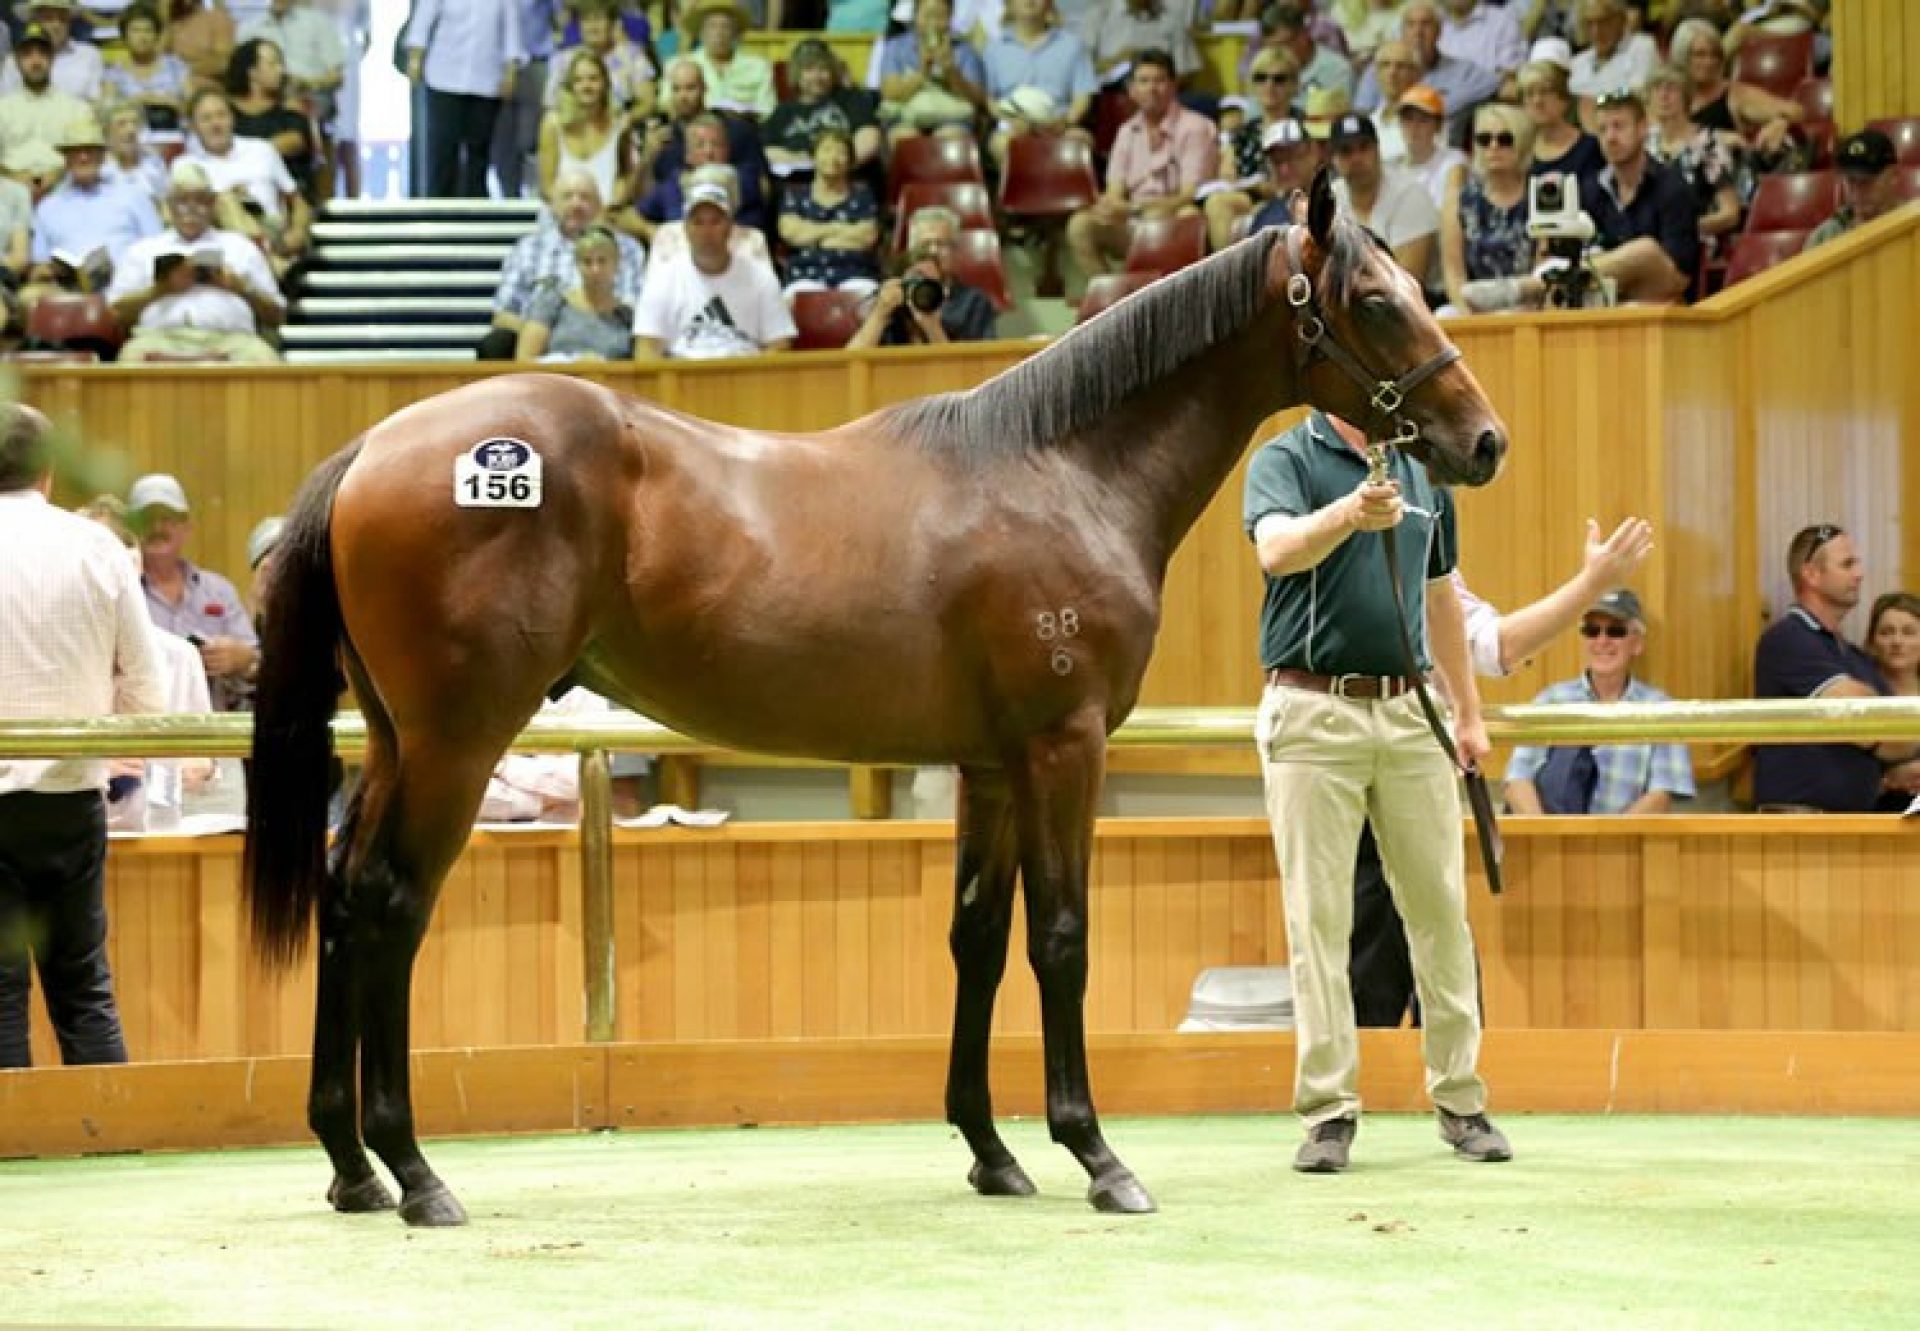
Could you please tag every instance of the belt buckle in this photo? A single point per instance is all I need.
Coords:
(1339, 689)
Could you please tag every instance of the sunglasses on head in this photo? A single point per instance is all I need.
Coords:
(1610, 630)
(1486, 138)
(1814, 537)
(1618, 97)
(1274, 76)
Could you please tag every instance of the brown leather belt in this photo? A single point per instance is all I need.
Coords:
(1370, 688)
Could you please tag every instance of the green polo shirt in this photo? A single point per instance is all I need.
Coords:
(1337, 618)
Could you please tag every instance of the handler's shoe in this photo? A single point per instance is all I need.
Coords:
(1473, 1138)
(1325, 1149)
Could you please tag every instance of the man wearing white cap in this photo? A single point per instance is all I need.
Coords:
(707, 302)
(78, 68)
(189, 601)
(194, 290)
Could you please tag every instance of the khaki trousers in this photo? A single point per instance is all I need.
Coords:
(1328, 764)
(214, 343)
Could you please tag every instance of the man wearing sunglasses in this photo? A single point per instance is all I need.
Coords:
(1803, 654)
(1606, 778)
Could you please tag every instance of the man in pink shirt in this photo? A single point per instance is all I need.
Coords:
(1161, 156)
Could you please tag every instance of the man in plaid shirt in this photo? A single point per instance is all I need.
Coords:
(1608, 778)
(547, 256)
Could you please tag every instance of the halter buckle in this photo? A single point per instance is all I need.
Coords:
(1311, 329)
(1387, 398)
(1299, 291)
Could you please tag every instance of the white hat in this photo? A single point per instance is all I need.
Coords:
(709, 191)
(1034, 105)
(157, 490)
(1283, 133)
(1552, 51)
(264, 536)
(188, 177)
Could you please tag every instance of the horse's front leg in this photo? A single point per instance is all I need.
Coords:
(1056, 789)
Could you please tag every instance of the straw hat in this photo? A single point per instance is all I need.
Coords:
(702, 10)
(82, 133)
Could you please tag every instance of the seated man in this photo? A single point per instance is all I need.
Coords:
(1484, 34)
(78, 69)
(189, 601)
(194, 290)
(86, 215)
(546, 255)
(1462, 85)
(709, 302)
(737, 80)
(35, 114)
(1869, 185)
(257, 194)
(1391, 202)
(707, 145)
(1803, 654)
(1614, 59)
(1162, 155)
(663, 148)
(1602, 778)
(904, 312)
(1293, 156)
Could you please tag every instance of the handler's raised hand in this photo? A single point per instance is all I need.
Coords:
(1612, 562)
(1375, 506)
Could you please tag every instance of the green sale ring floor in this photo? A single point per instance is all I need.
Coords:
(1599, 1222)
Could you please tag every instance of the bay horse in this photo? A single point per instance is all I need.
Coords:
(970, 579)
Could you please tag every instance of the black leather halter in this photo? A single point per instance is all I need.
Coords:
(1385, 397)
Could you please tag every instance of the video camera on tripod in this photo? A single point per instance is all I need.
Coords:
(1555, 216)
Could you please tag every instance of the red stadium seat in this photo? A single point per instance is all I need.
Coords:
(929, 159)
(1778, 64)
(1109, 288)
(976, 261)
(1047, 175)
(1166, 244)
(969, 198)
(1112, 108)
(1794, 202)
(64, 322)
(826, 320)
(1820, 136)
(1905, 133)
(1757, 253)
(1815, 97)
(1906, 185)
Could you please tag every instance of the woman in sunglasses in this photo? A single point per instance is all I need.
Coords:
(1483, 223)
(1273, 81)
(1627, 779)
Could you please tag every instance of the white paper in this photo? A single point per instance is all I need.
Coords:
(662, 814)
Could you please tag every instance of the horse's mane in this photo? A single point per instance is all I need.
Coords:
(1088, 372)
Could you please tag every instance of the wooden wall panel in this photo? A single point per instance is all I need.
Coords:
(780, 931)
(1876, 60)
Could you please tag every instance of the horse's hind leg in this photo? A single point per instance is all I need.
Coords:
(982, 920)
(1056, 788)
(333, 1101)
(415, 836)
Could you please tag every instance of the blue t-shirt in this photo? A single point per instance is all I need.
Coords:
(1799, 657)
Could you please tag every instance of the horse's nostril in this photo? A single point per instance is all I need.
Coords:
(1489, 449)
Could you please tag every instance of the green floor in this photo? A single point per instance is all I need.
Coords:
(1660, 1222)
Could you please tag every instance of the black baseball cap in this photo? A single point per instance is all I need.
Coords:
(33, 35)
(1867, 153)
(1353, 128)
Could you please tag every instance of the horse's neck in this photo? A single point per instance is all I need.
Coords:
(1175, 444)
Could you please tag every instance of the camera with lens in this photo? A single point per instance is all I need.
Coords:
(923, 293)
(1554, 215)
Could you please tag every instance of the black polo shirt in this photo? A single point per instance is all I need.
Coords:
(1662, 208)
(1339, 617)
(1799, 657)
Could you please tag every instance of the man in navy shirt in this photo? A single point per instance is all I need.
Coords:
(1643, 214)
(1803, 655)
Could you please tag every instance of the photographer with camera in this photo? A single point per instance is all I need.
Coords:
(925, 304)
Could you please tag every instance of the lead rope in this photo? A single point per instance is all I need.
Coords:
(1486, 824)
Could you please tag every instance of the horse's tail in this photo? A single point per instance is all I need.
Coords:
(297, 692)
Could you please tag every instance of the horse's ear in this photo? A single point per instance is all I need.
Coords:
(1320, 208)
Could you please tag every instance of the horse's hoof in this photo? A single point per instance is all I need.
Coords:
(1008, 1180)
(432, 1208)
(369, 1194)
(1118, 1192)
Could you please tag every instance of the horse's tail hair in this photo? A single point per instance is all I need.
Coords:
(296, 694)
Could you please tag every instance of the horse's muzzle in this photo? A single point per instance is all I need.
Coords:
(1480, 466)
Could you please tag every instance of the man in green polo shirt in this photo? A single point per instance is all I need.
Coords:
(1342, 739)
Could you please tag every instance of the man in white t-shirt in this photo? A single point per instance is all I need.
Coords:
(258, 197)
(194, 290)
(1393, 205)
(1615, 59)
(708, 302)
